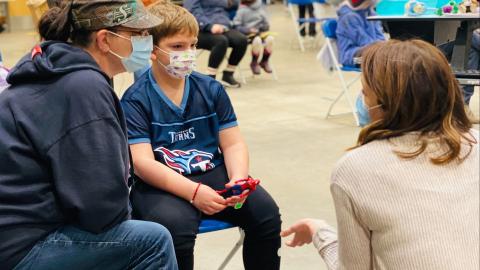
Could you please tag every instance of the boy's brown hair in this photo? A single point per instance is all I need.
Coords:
(176, 20)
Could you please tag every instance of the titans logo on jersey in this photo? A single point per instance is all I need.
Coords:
(186, 161)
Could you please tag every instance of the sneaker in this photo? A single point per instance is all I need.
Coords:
(474, 119)
(255, 67)
(229, 81)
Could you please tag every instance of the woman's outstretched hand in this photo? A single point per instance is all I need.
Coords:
(303, 231)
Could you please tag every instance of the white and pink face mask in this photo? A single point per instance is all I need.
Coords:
(182, 63)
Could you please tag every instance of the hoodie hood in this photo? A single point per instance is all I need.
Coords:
(51, 59)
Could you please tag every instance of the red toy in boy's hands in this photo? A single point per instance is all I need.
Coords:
(249, 184)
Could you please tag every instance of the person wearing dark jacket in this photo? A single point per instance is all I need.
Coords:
(64, 199)
(216, 34)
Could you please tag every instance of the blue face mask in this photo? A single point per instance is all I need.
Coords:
(363, 110)
(142, 47)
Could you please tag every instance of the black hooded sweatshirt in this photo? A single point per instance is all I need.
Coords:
(63, 150)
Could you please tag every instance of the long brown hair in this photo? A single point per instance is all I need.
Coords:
(418, 92)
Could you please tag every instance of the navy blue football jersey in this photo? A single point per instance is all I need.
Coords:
(186, 137)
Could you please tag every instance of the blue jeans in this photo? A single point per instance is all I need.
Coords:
(130, 245)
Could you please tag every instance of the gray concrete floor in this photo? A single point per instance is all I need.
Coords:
(293, 148)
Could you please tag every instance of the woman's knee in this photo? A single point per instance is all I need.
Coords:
(238, 40)
(220, 41)
(147, 232)
(152, 245)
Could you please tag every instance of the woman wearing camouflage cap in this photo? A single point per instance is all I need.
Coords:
(64, 158)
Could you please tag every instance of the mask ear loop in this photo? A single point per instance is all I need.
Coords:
(120, 36)
(165, 52)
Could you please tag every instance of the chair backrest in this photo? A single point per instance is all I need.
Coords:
(329, 28)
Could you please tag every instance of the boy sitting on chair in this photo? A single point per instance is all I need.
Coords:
(252, 21)
(186, 145)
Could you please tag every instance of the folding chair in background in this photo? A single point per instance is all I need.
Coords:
(329, 28)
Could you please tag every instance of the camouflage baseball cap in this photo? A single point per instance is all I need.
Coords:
(98, 14)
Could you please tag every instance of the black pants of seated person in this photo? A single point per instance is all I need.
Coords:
(218, 44)
(259, 217)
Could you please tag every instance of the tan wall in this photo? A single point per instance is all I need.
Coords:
(18, 8)
(20, 16)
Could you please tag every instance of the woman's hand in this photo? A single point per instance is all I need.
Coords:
(303, 231)
(208, 201)
(217, 29)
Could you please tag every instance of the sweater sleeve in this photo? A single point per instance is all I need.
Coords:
(354, 251)
(379, 31)
(351, 37)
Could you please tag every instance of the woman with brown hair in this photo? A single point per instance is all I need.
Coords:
(407, 195)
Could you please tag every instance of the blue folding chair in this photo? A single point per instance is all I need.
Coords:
(212, 225)
(301, 23)
(329, 28)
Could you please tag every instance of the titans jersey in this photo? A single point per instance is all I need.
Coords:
(186, 137)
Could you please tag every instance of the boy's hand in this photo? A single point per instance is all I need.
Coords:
(217, 29)
(231, 201)
(303, 231)
(208, 201)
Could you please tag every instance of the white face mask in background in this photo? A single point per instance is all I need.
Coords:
(182, 63)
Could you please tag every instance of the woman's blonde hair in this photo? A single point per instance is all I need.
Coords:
(418, 92)
(176, 20)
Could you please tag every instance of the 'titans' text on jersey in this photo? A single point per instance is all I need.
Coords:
(182, 135)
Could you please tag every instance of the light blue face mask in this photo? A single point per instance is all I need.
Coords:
(142, 47)
(363, 110)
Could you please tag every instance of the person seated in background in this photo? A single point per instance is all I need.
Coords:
(251, 19)
(312, 26)
(216, 35)
(186, 145)
(406, 196)
(473, 64)
(354, 31)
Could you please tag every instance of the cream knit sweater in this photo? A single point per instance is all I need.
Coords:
(395, 213)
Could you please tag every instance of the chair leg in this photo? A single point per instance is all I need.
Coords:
(296, 27)
(233, 251)
(345, 88)
(242, 76)
(274, 71)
